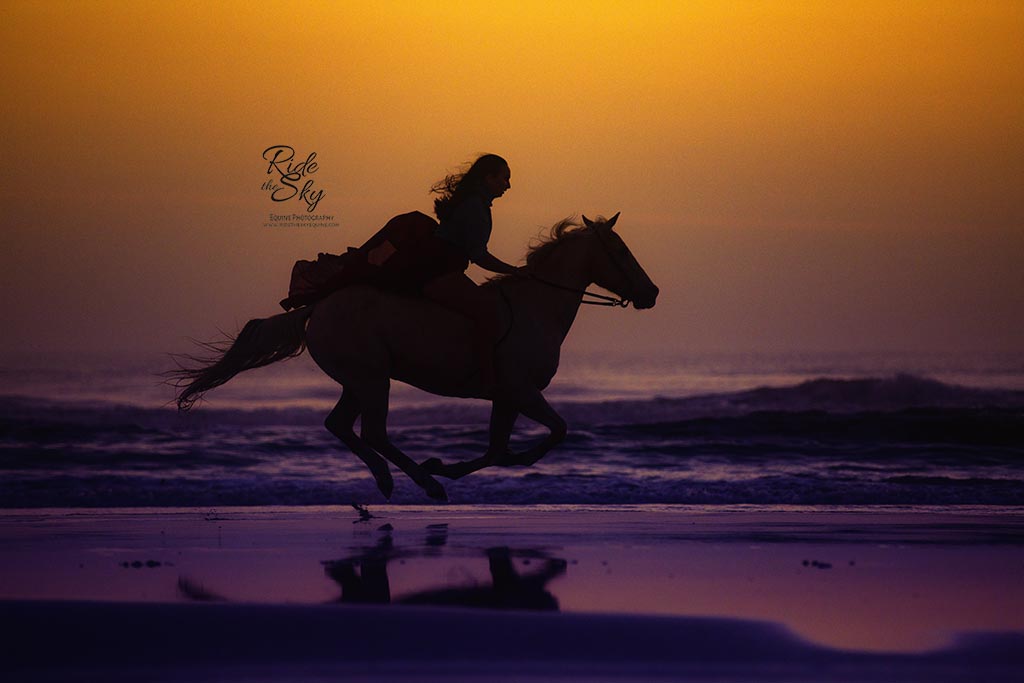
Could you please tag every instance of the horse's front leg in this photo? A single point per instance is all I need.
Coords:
(503, 419)
(533, 405)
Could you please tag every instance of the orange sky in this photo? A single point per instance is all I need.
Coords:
(795, 176)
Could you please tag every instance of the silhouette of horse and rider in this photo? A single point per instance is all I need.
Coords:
(401, 307)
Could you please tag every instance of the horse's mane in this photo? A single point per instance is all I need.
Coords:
(558, 234)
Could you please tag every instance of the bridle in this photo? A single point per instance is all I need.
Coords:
(596, 298)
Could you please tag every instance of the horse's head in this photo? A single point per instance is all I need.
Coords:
(614, 267)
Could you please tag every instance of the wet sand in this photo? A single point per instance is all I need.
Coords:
(530, 593)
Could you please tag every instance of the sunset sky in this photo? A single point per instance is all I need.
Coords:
(793, 175)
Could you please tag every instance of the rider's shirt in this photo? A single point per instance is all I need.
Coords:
(468, 226)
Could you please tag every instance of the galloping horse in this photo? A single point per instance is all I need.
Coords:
(364, 337)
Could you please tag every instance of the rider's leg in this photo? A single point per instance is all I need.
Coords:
(457, 292)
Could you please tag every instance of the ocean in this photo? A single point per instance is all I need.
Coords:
(776, 429)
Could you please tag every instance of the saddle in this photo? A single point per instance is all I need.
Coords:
(386, 260)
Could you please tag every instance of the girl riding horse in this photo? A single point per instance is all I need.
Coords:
(464, 212)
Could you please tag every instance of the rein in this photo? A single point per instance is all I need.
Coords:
(601, 299)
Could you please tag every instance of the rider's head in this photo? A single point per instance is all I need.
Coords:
(495, 175)
(488, 176)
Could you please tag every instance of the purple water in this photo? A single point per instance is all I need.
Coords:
(782, 429)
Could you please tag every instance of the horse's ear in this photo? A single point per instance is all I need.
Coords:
(587, 222)
(611, 221)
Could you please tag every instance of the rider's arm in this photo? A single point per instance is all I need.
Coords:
(469, 227)
(489, 261)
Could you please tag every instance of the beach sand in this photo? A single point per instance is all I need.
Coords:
(513, 593)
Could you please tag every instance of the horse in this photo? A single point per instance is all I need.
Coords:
(364, 337)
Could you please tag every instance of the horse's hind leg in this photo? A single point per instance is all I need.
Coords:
(340, 423)
(373, 405)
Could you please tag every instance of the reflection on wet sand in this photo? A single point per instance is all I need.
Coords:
(363, 577)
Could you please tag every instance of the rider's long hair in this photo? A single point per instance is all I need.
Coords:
(454, 188)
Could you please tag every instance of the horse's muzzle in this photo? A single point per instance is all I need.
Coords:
(646, 298)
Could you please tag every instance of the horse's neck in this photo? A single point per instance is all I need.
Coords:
(555, 307)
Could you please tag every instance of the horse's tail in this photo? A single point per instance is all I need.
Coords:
(261, 342)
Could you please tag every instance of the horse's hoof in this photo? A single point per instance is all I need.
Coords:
(386, 486)
(436, 492)
(385, 482)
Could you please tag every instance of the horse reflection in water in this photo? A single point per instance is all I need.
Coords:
(364, 337)
(363, 579)
(509, 589)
